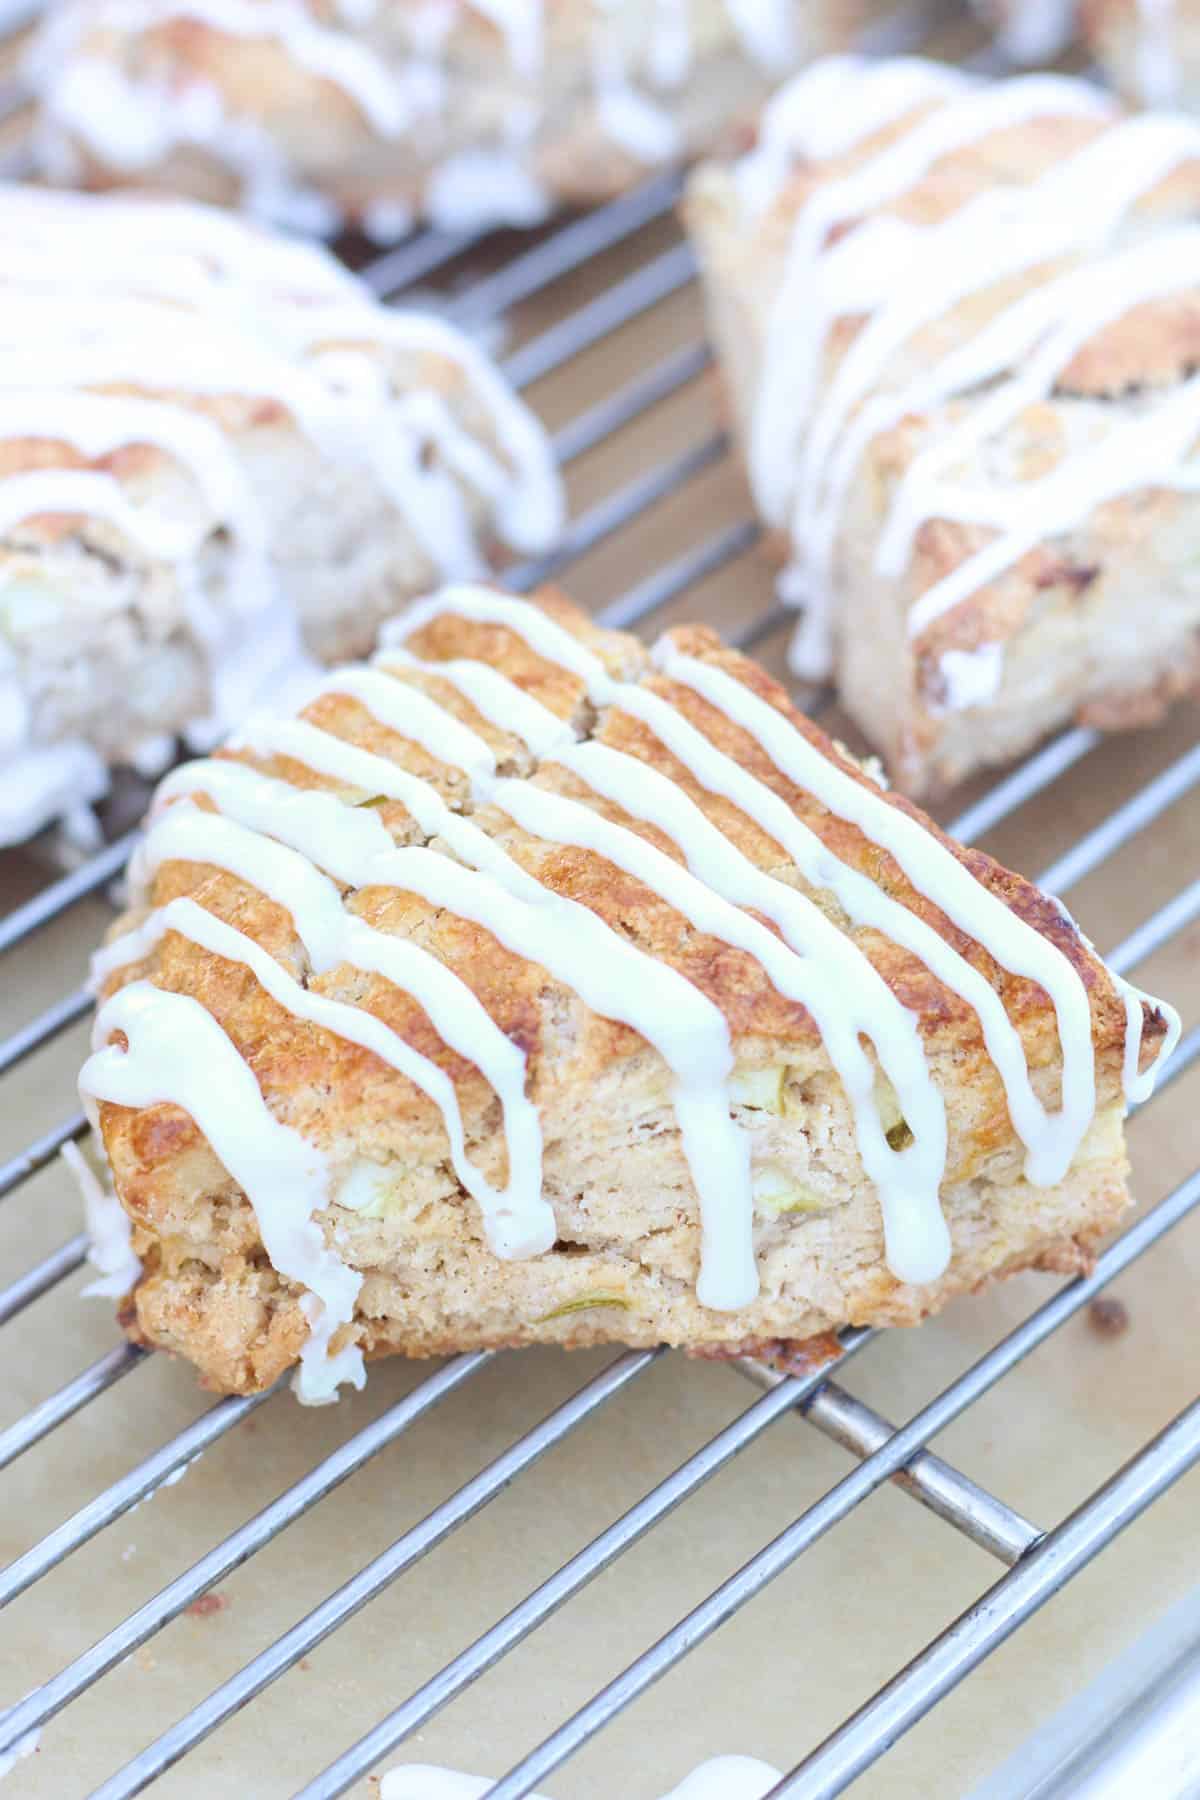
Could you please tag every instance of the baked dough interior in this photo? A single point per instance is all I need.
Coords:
(533, 986)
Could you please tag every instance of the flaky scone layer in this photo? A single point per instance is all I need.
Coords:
(626, 1254)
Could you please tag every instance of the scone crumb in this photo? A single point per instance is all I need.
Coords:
(1108, 1316)
(207, 1604)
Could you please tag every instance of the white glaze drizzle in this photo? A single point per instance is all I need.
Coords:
(133, 121)
(520, 23)
(110, 1248)
(901, 278)
(52, 781)
(96, 425)
(631, 119)
(1088, 196)
(165, 297)
(517, 1220)
(822, 283)
(337, 385)
(810, 120)
(614, 978)
(528, 498)
(767, 29)
(1050, 1139)
(416, 716)
(1072, 209)
(175, 1052)
(625, 114)
(228, 253)
(476, 188)
(968, 678)
(1170, 264)
(617, 981)
(1148, 452)
(821, 968)
(332, 55)
(351, 842)
(817, 965)
(90, 494)
(716, 1154)
(1138, 1086)
(494, 697)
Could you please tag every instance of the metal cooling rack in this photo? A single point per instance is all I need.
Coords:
(1036, 1562)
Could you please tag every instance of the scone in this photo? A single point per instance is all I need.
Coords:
(1030, 31)
(320, 113)
(959, 324)
(1149, 49)
(218, 455)
(533, 987)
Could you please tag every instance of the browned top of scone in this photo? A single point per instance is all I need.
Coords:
(234, 321)
(337, 1092)
(1154, 344)
(1140, 354)
(140, 464)
(261, 75)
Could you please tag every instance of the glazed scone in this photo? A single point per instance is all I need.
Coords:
(218, 455)
(1030, 31)
(1149, 49)
(960, 325)
(321, 113)
(533, 987)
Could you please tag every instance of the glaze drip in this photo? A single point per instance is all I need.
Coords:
(211, 322)
(305, 848)
(1067, 240)
(133, 119)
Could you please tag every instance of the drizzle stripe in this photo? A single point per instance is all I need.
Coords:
(178, 1053)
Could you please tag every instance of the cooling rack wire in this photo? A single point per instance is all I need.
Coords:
(610, 291)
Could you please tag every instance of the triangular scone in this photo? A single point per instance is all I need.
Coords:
(219, 452)
(959, 322)
(467, 114)
(536, 987)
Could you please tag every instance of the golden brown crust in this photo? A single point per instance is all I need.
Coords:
(208, 1291)
(224, 426)
(1056, 623)
(321, 137)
